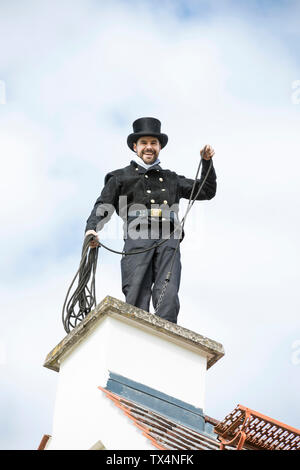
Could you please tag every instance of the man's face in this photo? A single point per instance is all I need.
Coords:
(147, 148)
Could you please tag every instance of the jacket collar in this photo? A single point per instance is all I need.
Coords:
(141, 170)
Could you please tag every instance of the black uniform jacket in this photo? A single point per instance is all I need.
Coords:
(152, 188)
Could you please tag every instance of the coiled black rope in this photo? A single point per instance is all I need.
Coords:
(83, 298)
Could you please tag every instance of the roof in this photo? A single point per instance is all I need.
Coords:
(171, 424)
(44, 442)
(115, 308)
(164, 433)
(256, 430)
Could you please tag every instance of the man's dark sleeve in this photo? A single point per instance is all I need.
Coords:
(105, 205)
(185, 185)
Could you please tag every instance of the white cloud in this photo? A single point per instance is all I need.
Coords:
(77, 74)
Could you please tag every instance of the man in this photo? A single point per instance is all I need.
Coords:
(152, 195)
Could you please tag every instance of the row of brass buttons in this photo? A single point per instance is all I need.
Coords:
(149, 190)
(153, 201)
(160, 179)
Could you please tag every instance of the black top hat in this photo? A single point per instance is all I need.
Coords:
(146, 126)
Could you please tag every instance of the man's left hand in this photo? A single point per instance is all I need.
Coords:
(207, 152)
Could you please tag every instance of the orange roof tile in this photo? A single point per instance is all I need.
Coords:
(257, 430)
(44, 442)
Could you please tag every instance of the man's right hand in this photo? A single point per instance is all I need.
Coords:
(95, 242)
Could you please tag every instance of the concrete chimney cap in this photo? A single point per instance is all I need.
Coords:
(137, 317)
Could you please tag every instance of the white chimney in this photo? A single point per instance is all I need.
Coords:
(119, 340)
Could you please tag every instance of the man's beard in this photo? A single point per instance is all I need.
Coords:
(147, 160)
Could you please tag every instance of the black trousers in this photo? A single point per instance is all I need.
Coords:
(143, 276)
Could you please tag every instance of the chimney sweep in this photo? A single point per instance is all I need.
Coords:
(150, 264)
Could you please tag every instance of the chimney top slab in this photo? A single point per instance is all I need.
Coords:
(124, 312)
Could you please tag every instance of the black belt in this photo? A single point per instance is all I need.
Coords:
(155, 213)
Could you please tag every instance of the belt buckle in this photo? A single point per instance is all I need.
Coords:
(156, 212)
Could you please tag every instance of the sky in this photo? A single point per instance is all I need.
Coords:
(74, 75)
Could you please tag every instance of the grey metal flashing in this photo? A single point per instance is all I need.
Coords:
(126, 312)
(113, 377)
(176, 410)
